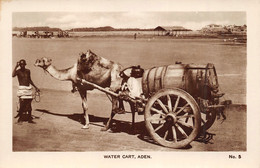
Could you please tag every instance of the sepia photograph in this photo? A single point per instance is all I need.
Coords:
(118, 85)
(85, 76)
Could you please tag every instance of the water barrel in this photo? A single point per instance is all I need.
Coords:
(188, 77)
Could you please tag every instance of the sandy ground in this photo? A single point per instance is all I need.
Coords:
(58, 128)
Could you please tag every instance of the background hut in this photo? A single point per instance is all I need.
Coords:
(171, 30)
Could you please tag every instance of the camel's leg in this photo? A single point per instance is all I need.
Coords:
(74, 87)
(121, 105)
(113, 112)
(108, 122)
(132, 106)
(85, 108)
(83, 94)
(116, 81)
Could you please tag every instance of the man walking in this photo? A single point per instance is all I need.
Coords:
(24, 90)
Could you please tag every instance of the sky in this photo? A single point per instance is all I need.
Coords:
(68, 20)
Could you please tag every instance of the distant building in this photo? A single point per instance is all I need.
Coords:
(235, 28)
(63, 34)
(227, 29)
(171, 30)
(15, 33)
(213, 26)
(38, 32)
(31, 34)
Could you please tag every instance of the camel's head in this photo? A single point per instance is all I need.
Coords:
(86, 61)
(43, 62)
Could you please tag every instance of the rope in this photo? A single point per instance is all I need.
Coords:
(37, 97)
(108, 96)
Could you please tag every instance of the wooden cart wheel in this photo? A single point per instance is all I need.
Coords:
(207, 119)
(172, 118)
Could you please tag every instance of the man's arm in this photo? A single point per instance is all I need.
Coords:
(15, 68)
(31, 82)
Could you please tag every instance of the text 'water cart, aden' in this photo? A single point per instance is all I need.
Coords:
(178, 101)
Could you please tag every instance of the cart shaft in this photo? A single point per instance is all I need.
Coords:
(83, 81)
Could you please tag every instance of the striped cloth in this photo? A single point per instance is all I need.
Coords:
(25, 92)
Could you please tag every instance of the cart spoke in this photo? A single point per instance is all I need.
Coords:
(162, 105)
(169, 103)
(157, 111)
(202, 120)
(181, 130)
(187, 119)
(154, 119)
(174, 134)
(176, 103)
(166, 134)
(185, 124)
(185, 116)
(182, 108)
(159, 127)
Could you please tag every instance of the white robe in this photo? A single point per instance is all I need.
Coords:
(25, 92)
(135, 87)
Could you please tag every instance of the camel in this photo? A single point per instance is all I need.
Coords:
(92, 68)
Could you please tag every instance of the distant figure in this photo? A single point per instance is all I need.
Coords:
(24, 91)
(135, 36)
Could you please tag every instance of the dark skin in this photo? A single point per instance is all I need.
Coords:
(23, 75)
(24, 79)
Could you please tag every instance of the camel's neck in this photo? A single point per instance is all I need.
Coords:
(65, 74)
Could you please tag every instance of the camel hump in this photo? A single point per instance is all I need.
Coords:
(90, 53)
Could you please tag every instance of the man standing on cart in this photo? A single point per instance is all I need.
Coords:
(24, 91)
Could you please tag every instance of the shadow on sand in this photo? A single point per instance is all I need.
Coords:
(79, 117)
(118, 126)
(205, 137)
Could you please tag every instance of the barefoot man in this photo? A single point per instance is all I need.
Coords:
(24, 90)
